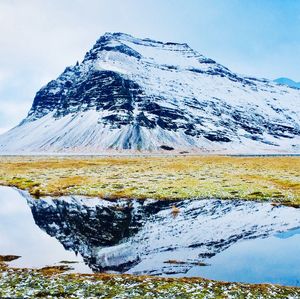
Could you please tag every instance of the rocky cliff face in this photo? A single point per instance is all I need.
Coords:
(141, 94)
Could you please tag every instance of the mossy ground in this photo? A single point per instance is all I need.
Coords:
(47, 283)
(275, 179)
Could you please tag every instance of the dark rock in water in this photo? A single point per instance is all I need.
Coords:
(8, 258)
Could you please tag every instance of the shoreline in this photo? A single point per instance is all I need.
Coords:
(52, 281)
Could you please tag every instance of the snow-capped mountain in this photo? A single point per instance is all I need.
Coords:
(140, 94)
(288, 82)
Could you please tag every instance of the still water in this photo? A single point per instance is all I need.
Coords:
(273, 259)
(238, 241)
(19, 235)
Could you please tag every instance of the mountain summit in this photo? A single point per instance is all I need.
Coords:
(145, 95)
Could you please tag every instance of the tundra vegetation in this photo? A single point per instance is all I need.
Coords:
(275, 179)
(52, 282)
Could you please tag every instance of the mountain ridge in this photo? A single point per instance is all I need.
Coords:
(288, 82)
(131, 94)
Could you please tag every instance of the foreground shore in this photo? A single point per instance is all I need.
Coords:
(275, 179)
(51, 282)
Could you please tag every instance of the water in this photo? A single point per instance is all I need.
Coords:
(272, 260)
(19, 235)
(241, 241)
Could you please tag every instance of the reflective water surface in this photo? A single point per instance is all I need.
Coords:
(274, 259)
(19, 235)
(236, 240)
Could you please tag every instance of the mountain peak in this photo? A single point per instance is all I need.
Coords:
(141, 94)
(137, 47)
(146, 41)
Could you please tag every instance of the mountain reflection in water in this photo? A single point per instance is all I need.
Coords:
(146, 236)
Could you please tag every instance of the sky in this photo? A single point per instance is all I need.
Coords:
(39, 38)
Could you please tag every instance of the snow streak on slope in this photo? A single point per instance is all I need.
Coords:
(139, 94)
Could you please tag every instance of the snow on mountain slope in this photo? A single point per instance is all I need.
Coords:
(140, 94)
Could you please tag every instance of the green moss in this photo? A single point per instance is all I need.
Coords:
(27, 283)
(22, 183)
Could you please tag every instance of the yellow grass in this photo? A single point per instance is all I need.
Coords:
(251, 178)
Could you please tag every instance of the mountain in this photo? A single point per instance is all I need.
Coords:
(131, 94)
(288, 82)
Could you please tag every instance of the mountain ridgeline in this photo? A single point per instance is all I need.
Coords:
(131, 94)
(288, 82)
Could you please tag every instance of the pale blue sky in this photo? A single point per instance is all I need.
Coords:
(39, 38)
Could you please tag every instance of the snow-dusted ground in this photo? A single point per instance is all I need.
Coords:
(139, 237)
(132, 94)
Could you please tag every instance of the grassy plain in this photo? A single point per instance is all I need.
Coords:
(275, 179)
